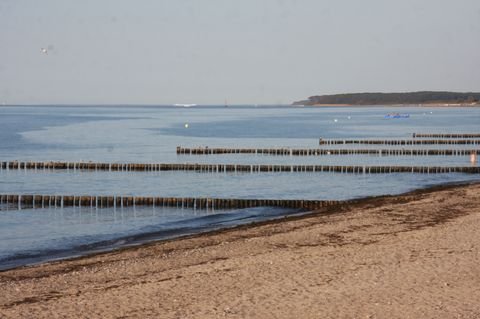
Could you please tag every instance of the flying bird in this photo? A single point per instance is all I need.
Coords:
(44, 50)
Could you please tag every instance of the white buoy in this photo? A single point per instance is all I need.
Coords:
(335, 120)
(473, 158)
(186, 125)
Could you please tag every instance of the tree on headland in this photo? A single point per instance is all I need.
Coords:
(423, 97)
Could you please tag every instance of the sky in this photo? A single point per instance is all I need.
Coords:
(239, 51)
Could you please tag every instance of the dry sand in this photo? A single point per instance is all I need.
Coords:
(412, 256)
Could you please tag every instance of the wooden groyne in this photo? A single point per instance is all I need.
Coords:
(58, 201)
(402, 142)
(240, 168)
(430, 135)
(322, 152)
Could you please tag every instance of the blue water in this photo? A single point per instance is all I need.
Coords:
(151, 134)
(68, 232)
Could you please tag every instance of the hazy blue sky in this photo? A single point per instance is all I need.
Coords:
(245, 51)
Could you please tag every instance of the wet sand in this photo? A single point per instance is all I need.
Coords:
(411, 256)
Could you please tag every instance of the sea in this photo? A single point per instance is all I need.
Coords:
(151, 134)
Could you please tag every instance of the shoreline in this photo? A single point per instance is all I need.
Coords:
(157, 240)
(394, 105)
(365, 258)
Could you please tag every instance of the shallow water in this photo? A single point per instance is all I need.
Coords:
(67, 232)
(151, 134)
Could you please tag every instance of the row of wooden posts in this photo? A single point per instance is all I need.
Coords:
(322, 152)
(50, 201)
(451, 135)
(401, 142)
(223, 168)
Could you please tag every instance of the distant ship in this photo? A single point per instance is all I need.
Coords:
(184, 105)
(397, 116)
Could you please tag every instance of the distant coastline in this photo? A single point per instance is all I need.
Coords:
(395, 105)
(421, 99)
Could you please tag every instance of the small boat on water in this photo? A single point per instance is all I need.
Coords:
(184, 105)
(397, 116)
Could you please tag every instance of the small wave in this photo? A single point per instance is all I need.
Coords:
(146, 234)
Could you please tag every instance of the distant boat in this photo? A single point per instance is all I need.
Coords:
(397, 116)
(184, 105)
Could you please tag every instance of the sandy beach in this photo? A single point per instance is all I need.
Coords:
(409, 256)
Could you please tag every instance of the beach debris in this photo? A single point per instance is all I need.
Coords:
(228, 310)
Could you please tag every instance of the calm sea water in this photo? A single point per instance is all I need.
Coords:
(151, 134)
